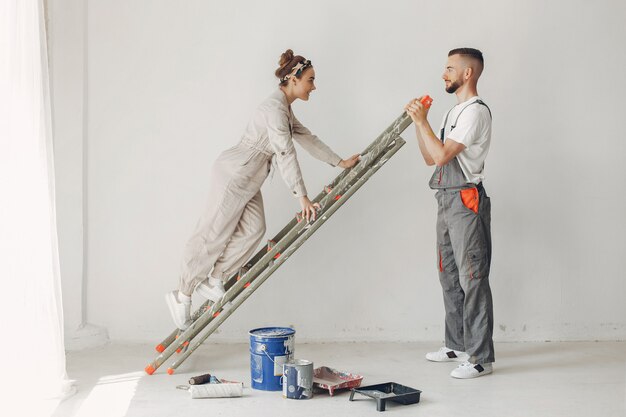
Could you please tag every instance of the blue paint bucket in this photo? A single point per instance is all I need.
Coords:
(270, 349)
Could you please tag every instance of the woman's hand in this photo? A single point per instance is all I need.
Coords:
(350, 162)
(309, 209)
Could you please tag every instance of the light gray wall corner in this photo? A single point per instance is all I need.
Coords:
(67, 47)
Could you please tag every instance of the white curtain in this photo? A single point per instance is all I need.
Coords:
(31, 327)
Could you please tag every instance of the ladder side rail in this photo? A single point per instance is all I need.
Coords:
(197, 326)
(392, 132)
(256, 283)
(236, 277)
(233, 279)
(396, 127)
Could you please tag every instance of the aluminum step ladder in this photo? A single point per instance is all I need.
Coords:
(207, 318)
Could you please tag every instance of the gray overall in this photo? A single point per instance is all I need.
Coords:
(464, 258)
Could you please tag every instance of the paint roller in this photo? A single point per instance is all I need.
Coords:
(208, 386)
(203, 379)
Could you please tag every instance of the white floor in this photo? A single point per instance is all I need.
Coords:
(529, 379)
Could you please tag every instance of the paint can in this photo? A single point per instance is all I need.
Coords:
(270, 349)
(298, 379)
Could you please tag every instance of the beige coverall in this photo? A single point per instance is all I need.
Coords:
(233, 222)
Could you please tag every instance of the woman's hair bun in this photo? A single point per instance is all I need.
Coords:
(285, 58)
(286, 64)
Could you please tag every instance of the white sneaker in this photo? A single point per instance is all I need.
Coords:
(468, 370)
(447, 355)
(211, 288)
(180, 311)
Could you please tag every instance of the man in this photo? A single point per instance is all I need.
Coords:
(464, 215)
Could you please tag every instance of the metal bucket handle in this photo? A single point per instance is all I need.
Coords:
(263, 348)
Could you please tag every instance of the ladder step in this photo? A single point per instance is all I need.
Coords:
(270, 246)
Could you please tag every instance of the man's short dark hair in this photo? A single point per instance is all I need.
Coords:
(471, 52)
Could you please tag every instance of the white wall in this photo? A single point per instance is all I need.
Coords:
(66, 41)
(171, 84)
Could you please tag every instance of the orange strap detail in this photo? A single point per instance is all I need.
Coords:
(469, 197)
(440, 262)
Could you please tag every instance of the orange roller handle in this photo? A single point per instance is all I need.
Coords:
(149, 369)
(427, 101)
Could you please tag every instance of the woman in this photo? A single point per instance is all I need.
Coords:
(233, 223)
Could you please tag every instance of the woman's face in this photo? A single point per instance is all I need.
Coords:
(304, 85)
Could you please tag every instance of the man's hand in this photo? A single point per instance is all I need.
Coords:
(350, 162)
(417, 111)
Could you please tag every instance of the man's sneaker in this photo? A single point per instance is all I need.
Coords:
(211, 288)
(447, 355)
(468, 370)
(180, 311)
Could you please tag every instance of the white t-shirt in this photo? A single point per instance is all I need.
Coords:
(473, 129)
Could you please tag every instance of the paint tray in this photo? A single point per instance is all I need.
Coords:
(389, 391)
(332, 379)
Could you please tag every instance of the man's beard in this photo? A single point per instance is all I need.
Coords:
(453, 87)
